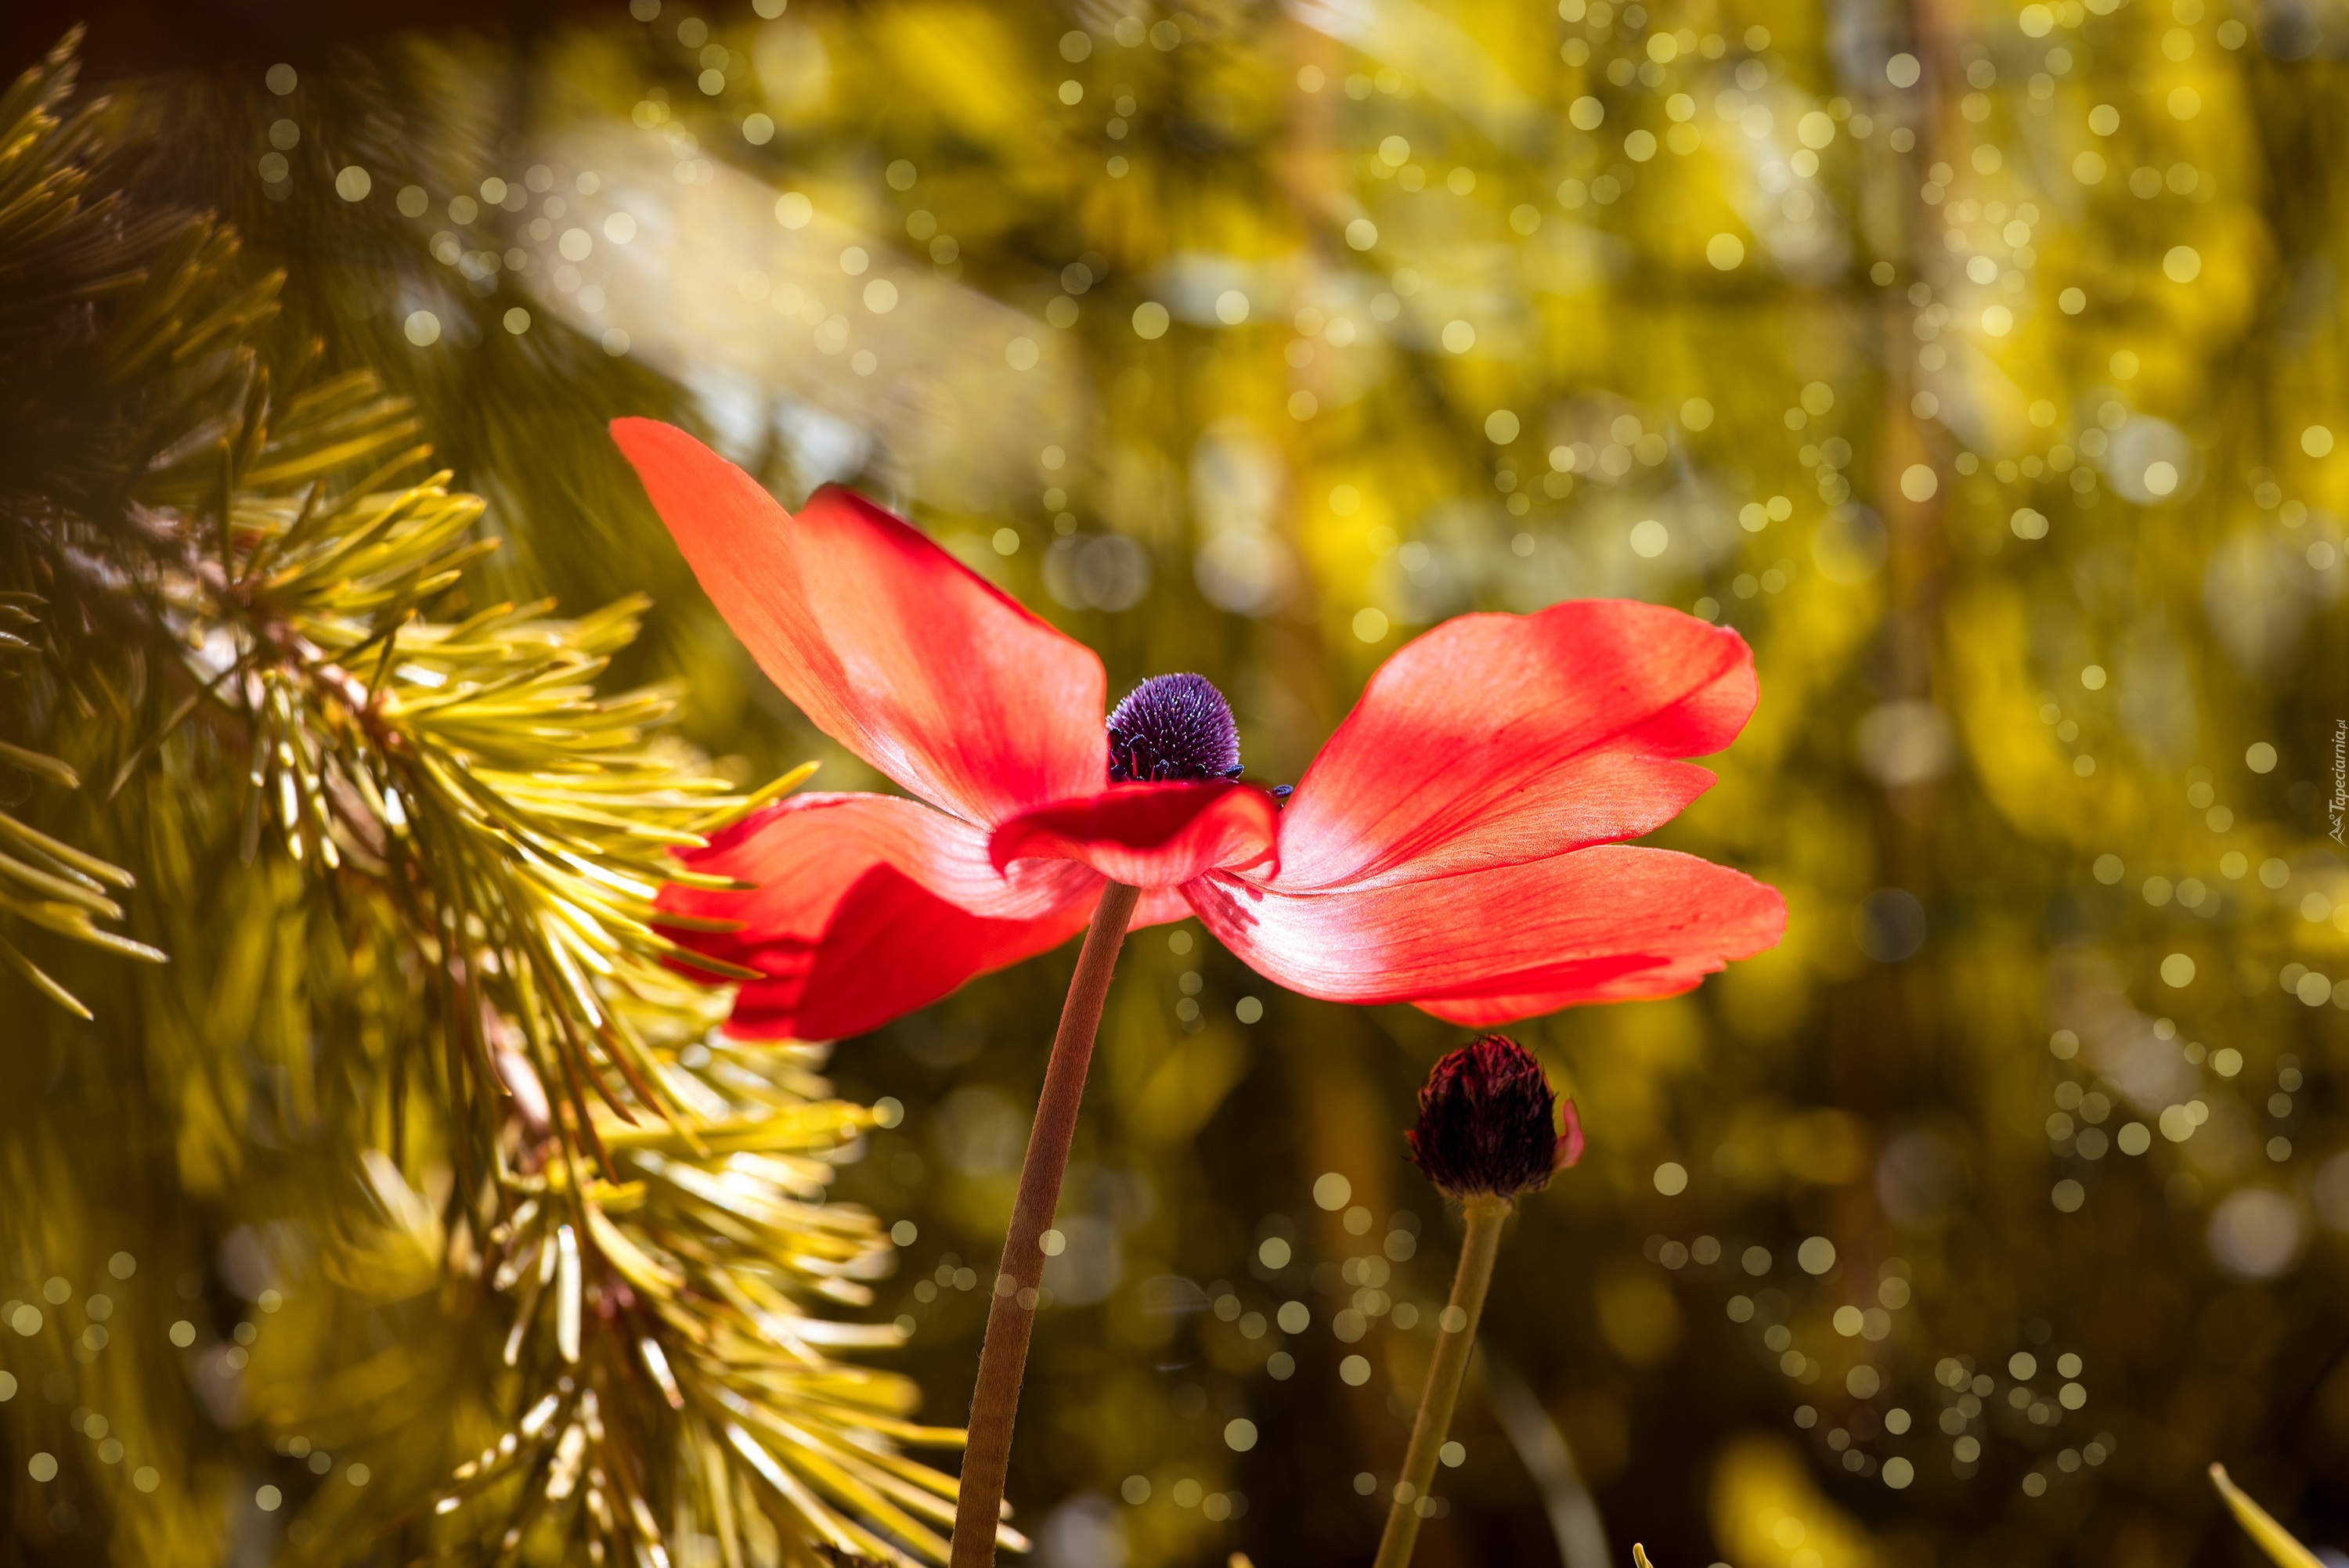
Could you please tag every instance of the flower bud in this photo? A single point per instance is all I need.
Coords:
(1488, 1122)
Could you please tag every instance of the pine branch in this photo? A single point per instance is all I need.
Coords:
(253, 562)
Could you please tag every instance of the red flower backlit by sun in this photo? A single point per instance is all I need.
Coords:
(1457, 844)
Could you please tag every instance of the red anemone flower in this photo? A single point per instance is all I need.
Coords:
(1455, 844)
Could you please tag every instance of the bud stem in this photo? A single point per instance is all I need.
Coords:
(1456, 1336)
(1011, 1314)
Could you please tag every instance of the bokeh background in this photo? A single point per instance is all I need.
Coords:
(1981, 364)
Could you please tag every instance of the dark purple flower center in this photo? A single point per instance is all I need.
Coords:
(1170, 728)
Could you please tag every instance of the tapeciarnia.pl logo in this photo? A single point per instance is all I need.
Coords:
(2339, 804)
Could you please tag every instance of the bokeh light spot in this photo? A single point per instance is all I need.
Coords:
(1889, 924)
(2256, 1233)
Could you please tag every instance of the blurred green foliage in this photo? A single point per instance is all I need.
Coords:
(1981, 364)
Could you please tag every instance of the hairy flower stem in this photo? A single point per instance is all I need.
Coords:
(1011, 1315)
(1457, 1336)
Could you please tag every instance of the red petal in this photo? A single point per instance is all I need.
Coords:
(868, 907)
(1149, 835)
(1500, 739)
(1159, 906)
(1611, 924)
(887, 643)
(1569, 1138)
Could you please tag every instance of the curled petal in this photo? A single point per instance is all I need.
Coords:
(889, 644)
(1611, 924)
(1569, 1136)
(1499, 738)
(1149, 835)
(867, 907)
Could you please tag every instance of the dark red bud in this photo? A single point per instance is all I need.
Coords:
(1488, 1122)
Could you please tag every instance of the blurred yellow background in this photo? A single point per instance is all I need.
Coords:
(1979, 364)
